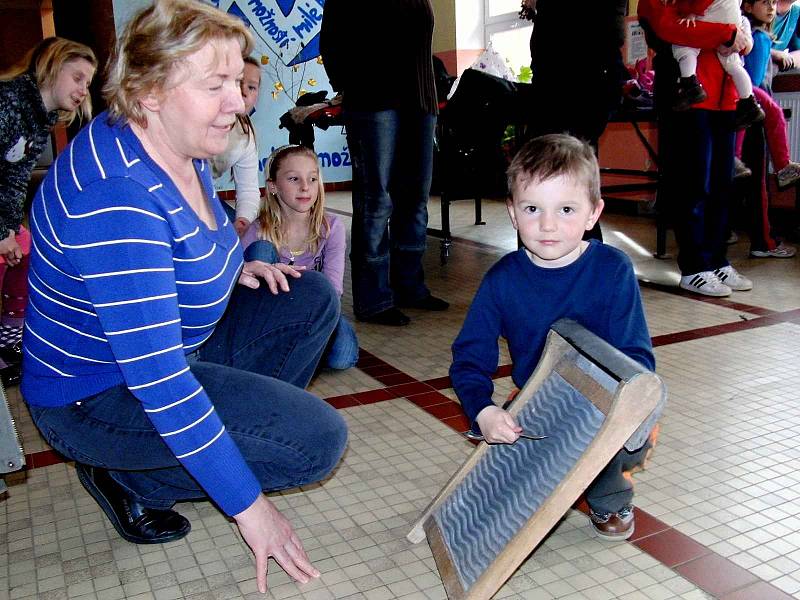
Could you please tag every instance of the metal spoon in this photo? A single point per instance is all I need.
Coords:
(474, 436)
(528, 436)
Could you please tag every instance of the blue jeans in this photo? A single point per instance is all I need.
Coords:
(392, 152)
(696, 174)
(262, 250)
(254, 366)
(342, 350)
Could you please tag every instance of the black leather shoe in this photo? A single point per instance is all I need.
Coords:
(134, 522)
(11, 355)
(390, 316)
(11, 375)
(429, 302)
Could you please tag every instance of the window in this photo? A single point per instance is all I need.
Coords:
(508, 34)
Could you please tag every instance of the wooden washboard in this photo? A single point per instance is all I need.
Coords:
(590, 400)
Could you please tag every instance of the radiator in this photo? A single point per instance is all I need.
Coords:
(792, 100)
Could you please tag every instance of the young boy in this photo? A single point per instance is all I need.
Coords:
(555, 197)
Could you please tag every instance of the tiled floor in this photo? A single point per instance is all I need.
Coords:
(716, 510)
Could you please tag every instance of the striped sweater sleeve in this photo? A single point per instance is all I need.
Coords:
(124, 255)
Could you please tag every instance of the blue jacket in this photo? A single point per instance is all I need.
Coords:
(519, 301)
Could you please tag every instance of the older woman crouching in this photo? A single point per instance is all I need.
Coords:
(133, 365)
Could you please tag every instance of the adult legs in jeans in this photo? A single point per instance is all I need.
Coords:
(287, 436)
(263, 349)
(410, 190)
(388, 147)
(696, 149)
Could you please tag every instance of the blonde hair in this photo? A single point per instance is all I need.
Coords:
(556, 155)
(270, 222)
(44, 63)
(154, 41)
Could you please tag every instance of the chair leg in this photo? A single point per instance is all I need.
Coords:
(478, 220)
(446, 239)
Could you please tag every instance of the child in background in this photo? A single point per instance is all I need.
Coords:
(293, 228)
(555, 197)
(50, 85)
(786, 35)
(761, 14)
(241, 155)
(690, 91)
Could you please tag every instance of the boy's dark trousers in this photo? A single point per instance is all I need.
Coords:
(611, 491)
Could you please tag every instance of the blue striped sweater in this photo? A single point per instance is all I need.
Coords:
(125, 281)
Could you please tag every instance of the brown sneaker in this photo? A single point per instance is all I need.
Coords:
(613, 526)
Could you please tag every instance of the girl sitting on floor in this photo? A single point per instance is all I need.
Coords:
(293, 228)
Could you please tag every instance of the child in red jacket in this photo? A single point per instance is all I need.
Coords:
(690, 91)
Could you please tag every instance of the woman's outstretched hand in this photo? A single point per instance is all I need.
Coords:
(273, 275)
(269, 533)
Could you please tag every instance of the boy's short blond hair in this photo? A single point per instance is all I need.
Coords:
(158, 39)
(556, 155)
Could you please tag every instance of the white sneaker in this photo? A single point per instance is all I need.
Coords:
(706, 283)
(733, 279)
(780, 251)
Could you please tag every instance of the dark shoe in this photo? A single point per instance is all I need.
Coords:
(613, 526)
(748, 112)
(390, 316)
(10, 358)
(11, 375)
(429, 302)
(134, 522)
(689, 93)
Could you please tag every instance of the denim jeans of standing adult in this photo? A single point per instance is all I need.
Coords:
(254, 367)
(342, 350)
(696, 149)
(392, 154)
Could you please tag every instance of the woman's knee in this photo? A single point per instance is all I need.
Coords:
(331, 441)
(319, 297)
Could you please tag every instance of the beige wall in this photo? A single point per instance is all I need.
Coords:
(458, 36)
(444, 36)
